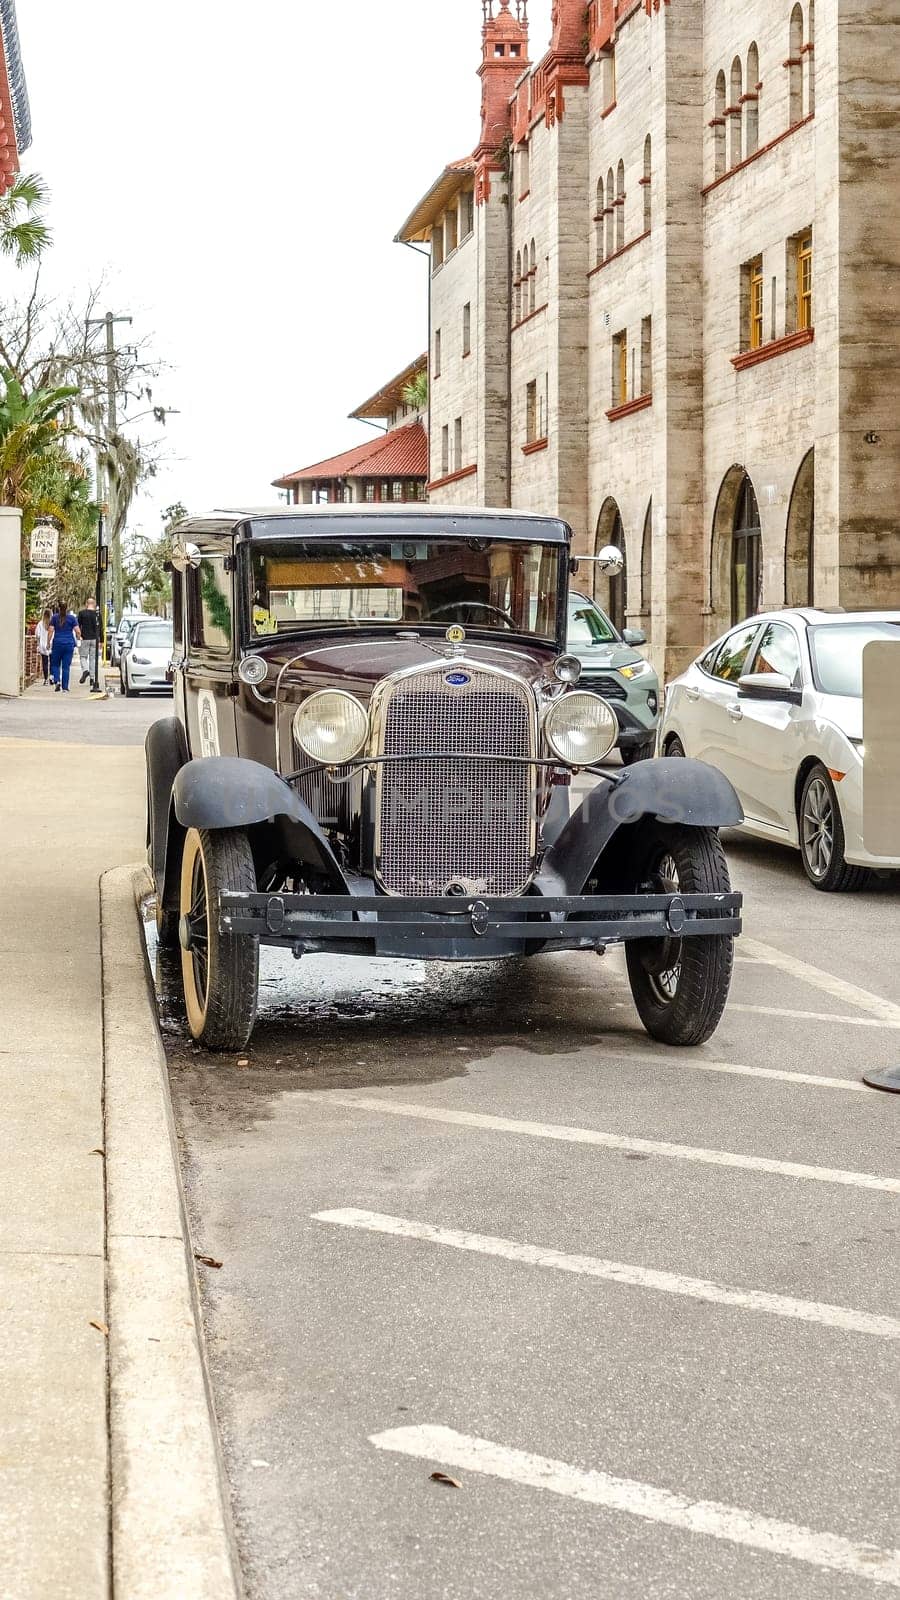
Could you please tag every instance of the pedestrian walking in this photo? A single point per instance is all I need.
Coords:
(89, 625)
(42, 640)
(64, 635)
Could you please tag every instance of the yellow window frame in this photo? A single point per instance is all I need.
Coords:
(804, 282)
(756, 304)
(623, 371)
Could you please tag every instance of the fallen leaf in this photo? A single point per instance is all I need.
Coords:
(207, 1261)
(243, 1061)
(99, 1152)
(101, 1328)
(444, 1477)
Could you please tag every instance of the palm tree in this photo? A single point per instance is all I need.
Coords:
(415, 393)
(23, 234)
(30, 434)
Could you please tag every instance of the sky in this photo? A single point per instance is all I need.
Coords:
(235, 173)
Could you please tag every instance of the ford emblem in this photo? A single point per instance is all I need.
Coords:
(457, 679)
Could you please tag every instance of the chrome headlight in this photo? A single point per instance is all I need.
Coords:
(581, 729)
(331, 727)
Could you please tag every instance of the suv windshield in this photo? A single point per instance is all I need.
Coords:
(588, 625)
(837, 653)
(480, 583)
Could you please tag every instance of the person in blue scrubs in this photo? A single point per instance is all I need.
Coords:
(64, 635)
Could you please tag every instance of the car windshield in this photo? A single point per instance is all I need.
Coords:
(483, 584)
(837, 653)
(588, 625)
(153, 635)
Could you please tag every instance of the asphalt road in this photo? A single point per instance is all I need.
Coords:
(640, 1304)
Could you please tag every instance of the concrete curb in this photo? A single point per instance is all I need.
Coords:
(171, 1527)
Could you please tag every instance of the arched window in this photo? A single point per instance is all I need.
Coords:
(810, 58)
(518, 287)
(719, 120)
(800, 537)
(746, 555)
(620, 206)
(610, 213)
(648, 203)
(599, 221)
(735, 109)
(647, 562)
(610, 531)
(532, 279)
(795, 66)
(751, 106)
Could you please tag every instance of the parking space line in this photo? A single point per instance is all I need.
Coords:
(831, 1017)
(606, 1141)
(466, 1453)
(838, 988)
(778, 1305)
(777, 1074)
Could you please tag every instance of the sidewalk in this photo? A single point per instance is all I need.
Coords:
(70, 807)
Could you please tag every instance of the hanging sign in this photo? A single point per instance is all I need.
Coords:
(44, 547)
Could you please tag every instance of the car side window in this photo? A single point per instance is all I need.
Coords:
(209, 607)
(706, 662)
(733, 653)
(778, 651)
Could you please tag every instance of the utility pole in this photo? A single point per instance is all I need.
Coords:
(109, 324)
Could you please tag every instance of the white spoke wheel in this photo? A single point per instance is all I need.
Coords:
(821, 834)
(220, 971)
(680, 986)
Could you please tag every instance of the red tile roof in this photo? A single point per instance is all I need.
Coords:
(402, 453)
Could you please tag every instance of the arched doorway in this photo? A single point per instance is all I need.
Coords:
(800, 536)
(746, 555)
(610, 531)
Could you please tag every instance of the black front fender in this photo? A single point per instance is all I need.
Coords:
(669, 788)
(230, 792)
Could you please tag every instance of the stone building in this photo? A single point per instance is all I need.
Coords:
(393, 467)
(663, 301)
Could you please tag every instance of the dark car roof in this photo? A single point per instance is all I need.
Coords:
(374, 522)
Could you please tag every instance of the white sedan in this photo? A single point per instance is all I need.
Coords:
(147, 657)
(776, 704)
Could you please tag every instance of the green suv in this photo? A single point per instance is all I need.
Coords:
(614, 668)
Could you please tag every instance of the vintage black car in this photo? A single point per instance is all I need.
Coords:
(376, 737)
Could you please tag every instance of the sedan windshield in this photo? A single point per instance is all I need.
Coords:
(153, 636)
(479, 583)
(837, 653)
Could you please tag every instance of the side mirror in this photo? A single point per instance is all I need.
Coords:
(634, 636)
(769, 686)
(611, 561)
(185, 556)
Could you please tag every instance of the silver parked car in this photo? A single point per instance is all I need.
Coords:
(147, 658)
(119, 637)
(612, 666)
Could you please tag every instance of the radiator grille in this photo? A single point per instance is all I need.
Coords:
(467, 819)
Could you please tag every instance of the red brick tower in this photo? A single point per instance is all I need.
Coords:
(569, 25)
(504, 59)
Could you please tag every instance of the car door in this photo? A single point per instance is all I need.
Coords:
(208, 670)
(769, 732)
(716, 740)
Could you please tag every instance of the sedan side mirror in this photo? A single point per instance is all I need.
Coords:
(634, 636)
(769, 686)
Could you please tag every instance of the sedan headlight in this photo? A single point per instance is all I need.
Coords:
(581, 729)
(331, 727)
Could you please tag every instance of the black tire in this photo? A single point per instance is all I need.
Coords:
(821, 835)
(636, 752)
(680, 986)
(674, 746)
(220, 988)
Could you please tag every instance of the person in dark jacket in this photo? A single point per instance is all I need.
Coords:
(64, 635)
(89, 628)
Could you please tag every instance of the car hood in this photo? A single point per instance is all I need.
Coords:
(359, 664)
(602, 657)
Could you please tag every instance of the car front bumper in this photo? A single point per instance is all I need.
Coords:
(447, 928)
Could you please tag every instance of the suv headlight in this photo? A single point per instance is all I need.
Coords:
(637, 669)
(331, 727)
(581, 729)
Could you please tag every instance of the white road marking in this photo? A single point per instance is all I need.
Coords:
(832, 1017)
(606, 1141)
(777, 1305)
(694, 1064)
(838, 988)
(717, 1521)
